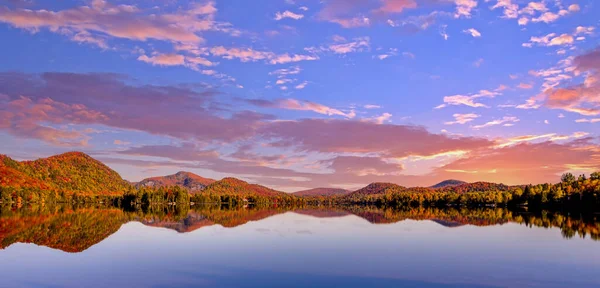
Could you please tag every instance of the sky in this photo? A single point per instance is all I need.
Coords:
(298, 94)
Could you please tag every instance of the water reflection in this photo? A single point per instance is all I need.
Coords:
(355, 246)
(77, 228)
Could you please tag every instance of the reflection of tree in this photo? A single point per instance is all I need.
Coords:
(67, 229)
(570, 225)
(75, 229)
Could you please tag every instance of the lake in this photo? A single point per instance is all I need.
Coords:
(296, 247)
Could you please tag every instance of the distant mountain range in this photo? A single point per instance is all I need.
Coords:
(323, 192)
(76, 172)
(187, 180)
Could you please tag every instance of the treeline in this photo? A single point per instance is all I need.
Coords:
(177, 195)
(570, 193)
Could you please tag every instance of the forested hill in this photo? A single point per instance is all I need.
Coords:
(233, 186)
(448, 183)
(68, 172)
(190, 181)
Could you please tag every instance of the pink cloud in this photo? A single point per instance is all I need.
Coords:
(543, 162)
(293, 104)
(164, 59)
(357, 13)
(583, 98)
(337, 136)
(251, 55)
(177, 111)
(89, 24)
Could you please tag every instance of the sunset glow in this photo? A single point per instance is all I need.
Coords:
(301, 94)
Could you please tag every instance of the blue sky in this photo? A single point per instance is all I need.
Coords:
(297, 94)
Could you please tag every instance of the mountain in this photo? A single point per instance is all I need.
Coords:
(448, 183)
(190, 181)
(322, 192)
(68, 172)
(376, 188)
(238, 187)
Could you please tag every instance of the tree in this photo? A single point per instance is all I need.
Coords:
(567, 178)
(595, 176)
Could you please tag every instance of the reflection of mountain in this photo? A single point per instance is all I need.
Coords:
(207, 216)
(75, 230)
(323, 213)
(67, 230)
(447, 223)
(191, 222)
(448, 217)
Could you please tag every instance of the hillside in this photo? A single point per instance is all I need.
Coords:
(448, 183)
(190, 181)
(69, 172)
(233, 186)
(376, 188)
(475, 187)
(322, 192)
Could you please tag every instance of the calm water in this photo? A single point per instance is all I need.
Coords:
(350, 247)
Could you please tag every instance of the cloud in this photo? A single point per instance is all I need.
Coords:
(39, 119)
(250, 55)
(525, 163)
(468, 100)
(343, 46)
(293, 104)
(464, 7)
(164, 59)
(584, 120)
(119, 21)
(301, 85)
(358, 13)
(293, 70)
(523, 21)
(337, 136)
(473, 32)
(121, 142)
(528, 13)
(534, 7)
(288, 14)
(359, 44)
(510, 10)
(183, 112)
(363, 166)
(393, 52)
(582, 30)
(371, 106)
(582, 98)
(462, 118)
(383, 118)
(505, 121)
(525, 86)
(550, 40)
